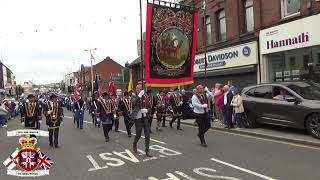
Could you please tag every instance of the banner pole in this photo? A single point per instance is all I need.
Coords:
(205, 43)
(141, 47)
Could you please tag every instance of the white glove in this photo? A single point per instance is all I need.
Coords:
(98, 120)
(22, 123)
(141, 93)
(205, 105)
(61, 122)
(144, 111)
(206, 89)
(49, 112)
(40, 122)
(181, 103)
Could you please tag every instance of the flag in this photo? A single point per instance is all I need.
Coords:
(12, 160)
(77, 90)
(130, 85)
(111, 88)
(170, 48)
(44, 161)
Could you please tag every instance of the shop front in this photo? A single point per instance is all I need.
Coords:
(237, 63)
(291, 51)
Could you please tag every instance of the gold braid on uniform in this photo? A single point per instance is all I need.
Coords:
(177, 99)
(30, 109)
(107, 106)
(54, 114)
(128, 105)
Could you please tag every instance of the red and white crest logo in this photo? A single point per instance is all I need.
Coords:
(28, 159)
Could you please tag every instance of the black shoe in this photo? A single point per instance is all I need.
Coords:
(116, 130)
(135, 149)
(170, 125)
(107, 139)
(129, 135)
(179, 129)
(204, 144)
(57, 146)
(148, 154)
(164, 126)
(50, 144)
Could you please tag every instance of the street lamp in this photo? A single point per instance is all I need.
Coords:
(91, 57)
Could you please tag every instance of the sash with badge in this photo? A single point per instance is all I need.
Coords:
(53, 114)
(129, 108)
(108, 109)
(203, 100)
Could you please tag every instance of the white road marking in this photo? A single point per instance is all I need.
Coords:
(144, 137)
(69, 117)
(243, 169)
(259, 138)
(133, 134)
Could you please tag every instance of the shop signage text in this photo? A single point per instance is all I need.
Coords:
(244, 54)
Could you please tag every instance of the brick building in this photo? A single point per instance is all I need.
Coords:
(233, 44)
(105, 70)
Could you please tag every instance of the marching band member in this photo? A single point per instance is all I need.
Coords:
(93, 109)
(161, 108)
(139, 114)
(105, 114)
(31, 113)
(79, 112)
(152, 109)
(54, 117)
(176, 103)
(117, 113)
(200, 104)
(126, 108)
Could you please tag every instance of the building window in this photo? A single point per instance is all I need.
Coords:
(222, 25)
(290, 7)
(249, 18)
(208, 29)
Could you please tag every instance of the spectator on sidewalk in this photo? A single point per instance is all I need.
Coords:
(231, 86)
(3, 115)
(219, 95)
(238, 108)
(227, 108)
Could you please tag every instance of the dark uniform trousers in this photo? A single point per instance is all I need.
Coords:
(144, 124)
(106, 129)
(204, 125)
(116, 123)
(53, 135)
(177, 113)
(128, 123)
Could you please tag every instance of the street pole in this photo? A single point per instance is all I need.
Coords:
(91, 57)
(141, 47)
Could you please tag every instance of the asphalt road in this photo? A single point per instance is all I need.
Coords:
(84, 155)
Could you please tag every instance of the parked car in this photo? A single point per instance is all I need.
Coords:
(292, 104)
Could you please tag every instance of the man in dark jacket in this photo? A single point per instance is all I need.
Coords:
(227, 108)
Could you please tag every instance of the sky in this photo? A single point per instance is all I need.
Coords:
(42, 40)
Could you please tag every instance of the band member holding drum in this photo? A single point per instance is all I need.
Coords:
(117, 113)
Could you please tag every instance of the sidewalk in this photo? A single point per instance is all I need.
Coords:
(270, 132)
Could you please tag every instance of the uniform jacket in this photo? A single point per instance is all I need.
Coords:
(54, 119)
(105, 111)
(30, 115)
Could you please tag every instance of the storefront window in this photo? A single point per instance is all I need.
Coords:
(295, 65)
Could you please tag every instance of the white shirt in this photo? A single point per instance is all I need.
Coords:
(197, 106)
(225, 99)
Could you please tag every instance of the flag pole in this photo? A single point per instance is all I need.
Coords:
(204, 39)
(141, 47)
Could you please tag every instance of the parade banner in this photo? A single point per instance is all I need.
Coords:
(170, 49)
